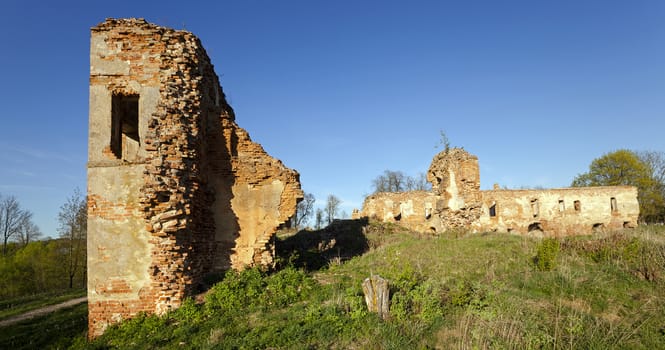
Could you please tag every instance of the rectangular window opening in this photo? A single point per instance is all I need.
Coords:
(493, 210)
(613, 204)
(577, 205)
(124, 125)
(534, 208)
(562, 205)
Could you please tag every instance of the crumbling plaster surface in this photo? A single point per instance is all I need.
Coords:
(184, 192)
(455, 178)
(554, 212)
(413, 209)
(121, 235)
(459, 203)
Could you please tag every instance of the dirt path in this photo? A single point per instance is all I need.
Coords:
(41, 311)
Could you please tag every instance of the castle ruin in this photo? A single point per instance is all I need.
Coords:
(176, 189)
(456, 201)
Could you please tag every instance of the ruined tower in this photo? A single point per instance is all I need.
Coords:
(455, 178)
(176, 190)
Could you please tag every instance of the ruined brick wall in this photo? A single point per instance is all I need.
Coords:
(559, 212)
(414, 209)
(173, 183)
(248, 183)
(459, 203)
(455, 178)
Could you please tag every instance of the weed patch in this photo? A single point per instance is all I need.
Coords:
(547, 252)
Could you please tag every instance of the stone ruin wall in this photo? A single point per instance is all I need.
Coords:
(412, 209)
(176, 190)
(455, 178)
(559, 212)
(458, 202)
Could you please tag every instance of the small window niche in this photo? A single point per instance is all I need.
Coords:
(493, 210)
(562, 206)
(577, 205)
(613, 205)
(125, 140)
(534, 208)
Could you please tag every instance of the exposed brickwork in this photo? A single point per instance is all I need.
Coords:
(455, 178)
(179, 202)
(456, 201)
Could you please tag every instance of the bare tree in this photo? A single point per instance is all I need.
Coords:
(319, 219)
(73, 219)
(390, 181)
(12, 217)
(28, 232)
(332, 208)
(443, 141)
(304, 210)
(655, 160)
(418, 183)
(397, 181)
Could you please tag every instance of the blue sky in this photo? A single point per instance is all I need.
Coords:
(343, 90)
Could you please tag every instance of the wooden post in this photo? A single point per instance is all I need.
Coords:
(377, 295)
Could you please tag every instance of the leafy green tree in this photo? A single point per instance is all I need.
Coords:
(33, 268)
(39, 263)
(625, 167)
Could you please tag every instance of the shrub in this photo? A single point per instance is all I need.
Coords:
(414, 297)
(286, 287)
(238, 290)
(252, 289)
(546, 254)
(467, 294)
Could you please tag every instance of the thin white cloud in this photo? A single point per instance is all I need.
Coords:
(11, 188)
(21, 172)
(33, 153)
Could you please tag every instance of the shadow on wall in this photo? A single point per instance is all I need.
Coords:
(313, 250)
(221, 148)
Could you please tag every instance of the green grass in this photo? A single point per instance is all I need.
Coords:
(482, 291)
(16, 306)
(58, 330)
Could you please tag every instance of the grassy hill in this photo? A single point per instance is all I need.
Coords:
(457, 290)
(452, 291)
